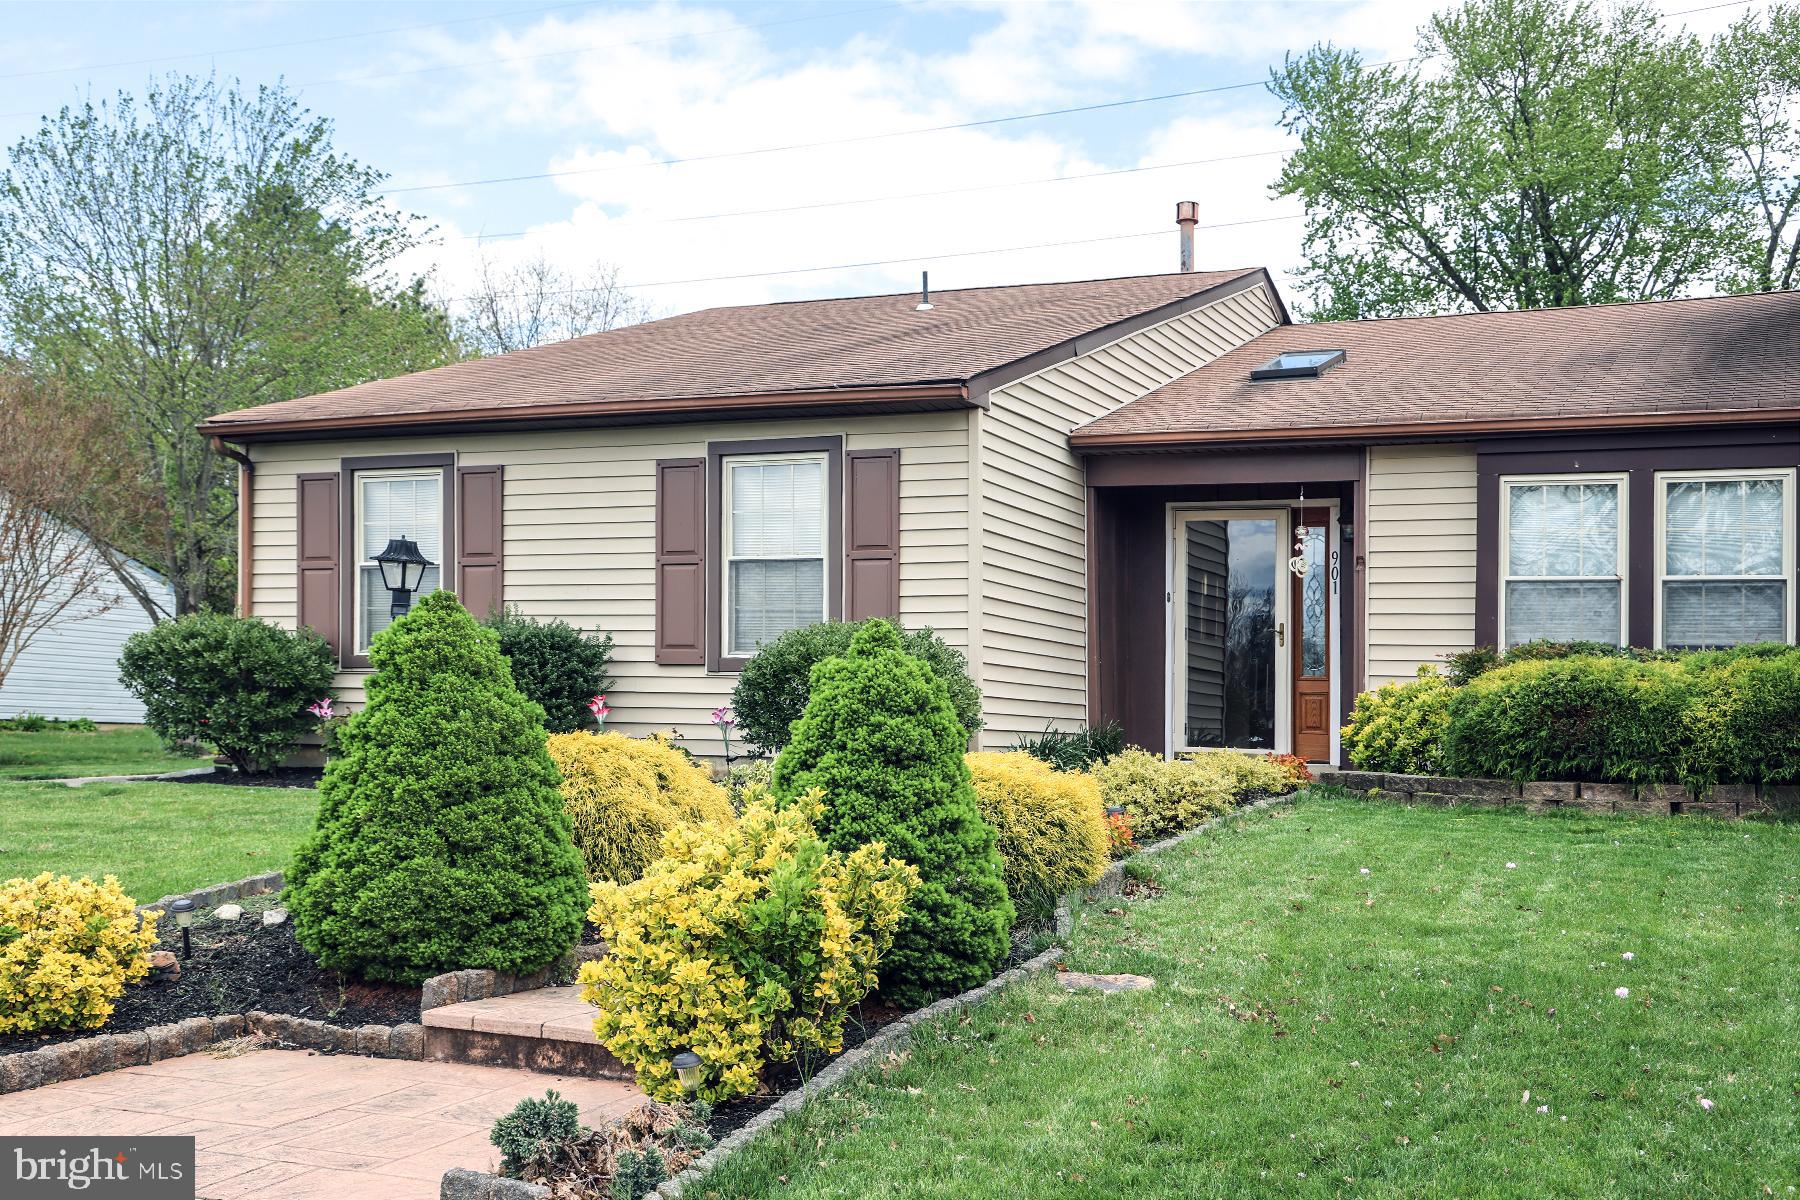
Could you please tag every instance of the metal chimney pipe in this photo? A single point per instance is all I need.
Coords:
(924, 304)
(1187, 215)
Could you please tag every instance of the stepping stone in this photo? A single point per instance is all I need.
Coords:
(1081, 981)
(543, 1029)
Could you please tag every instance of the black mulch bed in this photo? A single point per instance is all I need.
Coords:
(237, 967)
(285, 777)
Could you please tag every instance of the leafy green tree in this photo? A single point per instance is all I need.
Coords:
(441, 841)
(1758, 60)
(881, 738)
(1535, 154)
(198, 250)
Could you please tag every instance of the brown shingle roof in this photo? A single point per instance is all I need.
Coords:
(1663, 361)
(870, 347)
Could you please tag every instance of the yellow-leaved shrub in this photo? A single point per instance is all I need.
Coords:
(623, 794)
(1164, 798)
(746, 942)
(1051, 823)
(68, 947)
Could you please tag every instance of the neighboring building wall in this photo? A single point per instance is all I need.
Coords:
(1420, 552)
(580, 536)
(1030, 580)
(71, 669)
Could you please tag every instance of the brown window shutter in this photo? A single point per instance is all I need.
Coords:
(480, 540)
(317, 555)
(872, 534)
(681, 562)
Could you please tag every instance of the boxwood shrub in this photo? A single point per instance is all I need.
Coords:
(441, 840)
(557, 665)
(1635, 718)
(773, 688)
(882, 742)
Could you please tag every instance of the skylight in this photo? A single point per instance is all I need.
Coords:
(1298, 364)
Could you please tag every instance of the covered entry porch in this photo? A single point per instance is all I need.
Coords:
(1225, 597)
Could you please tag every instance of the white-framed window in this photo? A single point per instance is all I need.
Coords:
(774, 537)
(1562, 558)
(391, 504)
(1724, 557)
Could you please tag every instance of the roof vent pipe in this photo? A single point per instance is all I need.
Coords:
(924, 304)
(1187, 213)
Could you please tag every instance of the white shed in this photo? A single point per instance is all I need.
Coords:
(72, 668)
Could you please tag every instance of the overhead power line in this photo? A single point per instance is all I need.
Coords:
(859, 200)
(888, 262)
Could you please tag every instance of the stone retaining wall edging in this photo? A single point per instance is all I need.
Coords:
(114, 1051)
(1724, 800)
(222, 893)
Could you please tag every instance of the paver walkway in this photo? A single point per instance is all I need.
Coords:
(288, 1125)
(552, 1013)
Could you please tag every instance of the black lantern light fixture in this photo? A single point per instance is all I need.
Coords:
(183, 908)
(689, 1070)
(402, 570)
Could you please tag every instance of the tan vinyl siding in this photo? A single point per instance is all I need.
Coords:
(1031, 587)
(578, 522)
(1420, 550)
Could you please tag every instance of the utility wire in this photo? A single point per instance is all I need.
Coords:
(888, 262)
(957, 191)
(857, 139)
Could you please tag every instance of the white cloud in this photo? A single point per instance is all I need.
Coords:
(611, 109)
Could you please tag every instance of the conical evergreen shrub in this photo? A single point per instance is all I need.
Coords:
(441, 841)
(882, 740)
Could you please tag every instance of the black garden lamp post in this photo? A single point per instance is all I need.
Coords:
(402, 570)
(689, 1070)
(183, 908)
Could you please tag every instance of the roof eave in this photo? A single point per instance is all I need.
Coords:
(578, 414)
(1168, 440)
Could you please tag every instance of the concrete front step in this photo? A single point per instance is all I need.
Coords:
(547, 1029)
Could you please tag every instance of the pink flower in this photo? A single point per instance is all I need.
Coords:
(321, 709)
(723, 717)
(1706, 1104)
(598, 707)
(1621, 993)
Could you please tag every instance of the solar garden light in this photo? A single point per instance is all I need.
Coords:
(1114, 810)
(689, 1070)
(402, 570)
(183, 908)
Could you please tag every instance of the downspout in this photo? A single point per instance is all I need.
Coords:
(246, 469)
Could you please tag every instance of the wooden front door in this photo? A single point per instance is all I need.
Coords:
(1310, 647)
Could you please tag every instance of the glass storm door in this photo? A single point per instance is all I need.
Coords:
(1229, 602)
(1310, 646)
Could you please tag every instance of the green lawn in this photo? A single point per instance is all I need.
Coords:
(1320, 1032)
(158, 838)
(67, 755)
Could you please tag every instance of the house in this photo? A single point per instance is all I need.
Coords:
(71, 668)
(1152, 499)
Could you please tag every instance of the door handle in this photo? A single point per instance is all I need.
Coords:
(1281, 633)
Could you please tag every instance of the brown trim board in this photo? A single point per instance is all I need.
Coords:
(716, 452)
(348, 657)
(1436, 431)
(815, 402)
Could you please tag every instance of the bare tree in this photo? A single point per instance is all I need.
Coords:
(534, 301)
(50, 572)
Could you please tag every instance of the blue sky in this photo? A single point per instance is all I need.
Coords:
(442, 95)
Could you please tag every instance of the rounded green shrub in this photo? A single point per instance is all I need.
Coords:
(1601, 719)
(1050, 824)
(557, 665)
(441, 840)
(1399, 727)
(1743, 720)
(881, 739)
(239, 685)
(774, 685)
